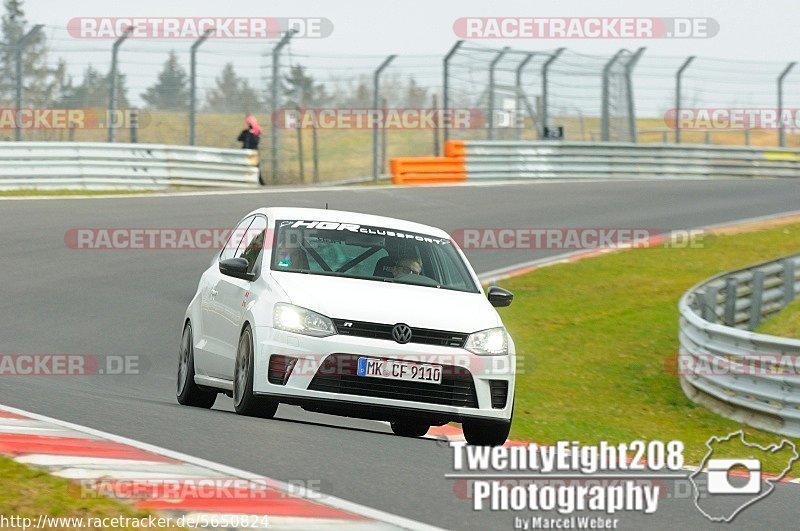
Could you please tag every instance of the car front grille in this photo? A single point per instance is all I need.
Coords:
(337, 374)
(423, 336)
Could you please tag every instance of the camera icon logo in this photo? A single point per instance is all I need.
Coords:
(732, 483)
(719, 479)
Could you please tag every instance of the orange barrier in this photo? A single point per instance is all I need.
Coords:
(455, 148)
(427, 170)
(424, 170)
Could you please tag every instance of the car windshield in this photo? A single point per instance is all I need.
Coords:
(370, 253)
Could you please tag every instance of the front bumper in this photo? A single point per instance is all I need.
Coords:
(482, 373)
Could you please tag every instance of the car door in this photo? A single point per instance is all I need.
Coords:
(233, 295)
(212, 347)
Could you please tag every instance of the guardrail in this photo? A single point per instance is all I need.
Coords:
(606, 160)
(725, 366)
(78, 165)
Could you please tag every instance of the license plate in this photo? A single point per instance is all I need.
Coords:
(399, 370)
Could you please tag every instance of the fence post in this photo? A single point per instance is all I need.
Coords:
(545, 71)
(20, 46)
(747, 135)
(709, 302)
(729, 315)
(678, 80)
(193, 84)
(275, 96)
(788, 281)
(436, 126)
(781, 132)
(756, 298)
(604, 112)
(315, 150)
(384, 136)
(376, 88)
(518, 87)
(112, 91)
(490, 104)
(134, 126)
(300, 151)
(446, 90)
(629, 66)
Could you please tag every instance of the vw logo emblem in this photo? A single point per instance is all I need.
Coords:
(401, 333)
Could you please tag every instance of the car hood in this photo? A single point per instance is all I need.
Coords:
(385, 302)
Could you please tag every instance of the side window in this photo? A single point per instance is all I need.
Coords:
(252, 246)
(235, 239)
(453, 272)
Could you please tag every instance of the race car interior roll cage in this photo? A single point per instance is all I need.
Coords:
(434, 273)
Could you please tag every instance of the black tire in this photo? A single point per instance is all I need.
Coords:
(188, 392)
(486, 432)
(244, 401)
(409, 428)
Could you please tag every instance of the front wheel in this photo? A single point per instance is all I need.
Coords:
(244, 401)
(409, 428)
(486, 432)
(188, 392)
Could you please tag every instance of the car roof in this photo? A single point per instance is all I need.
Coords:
(342, 216)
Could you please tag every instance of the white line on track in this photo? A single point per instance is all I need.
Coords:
(324, 188)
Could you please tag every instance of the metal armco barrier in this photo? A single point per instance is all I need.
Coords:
(725, 366)
(76, 165)
(472, 160)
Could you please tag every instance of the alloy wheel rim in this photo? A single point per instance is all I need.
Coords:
(241, 368)
(183, 363)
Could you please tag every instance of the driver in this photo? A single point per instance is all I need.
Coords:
(291, 257)
(406, 266)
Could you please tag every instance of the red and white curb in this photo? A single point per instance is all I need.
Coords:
(84, 455)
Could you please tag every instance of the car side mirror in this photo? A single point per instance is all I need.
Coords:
(237, 268)
(499, 297)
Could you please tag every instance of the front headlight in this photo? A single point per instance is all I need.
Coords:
(491, 342)
(301, 321)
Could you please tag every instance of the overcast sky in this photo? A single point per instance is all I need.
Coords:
(766, 29)
(761, 36)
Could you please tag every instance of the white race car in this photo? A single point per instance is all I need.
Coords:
(349, 314)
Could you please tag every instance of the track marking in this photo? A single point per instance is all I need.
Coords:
(334, 187)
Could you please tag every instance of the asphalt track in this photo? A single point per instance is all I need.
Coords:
(61, 300)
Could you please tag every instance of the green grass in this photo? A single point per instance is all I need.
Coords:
(598, 340)
(29, 492)
(785, 323)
